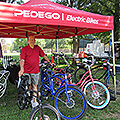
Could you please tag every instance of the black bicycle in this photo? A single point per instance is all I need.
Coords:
(42, 111)
(104, 72)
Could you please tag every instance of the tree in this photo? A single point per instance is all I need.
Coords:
(40, 42)
(106, 7)
(19, 43)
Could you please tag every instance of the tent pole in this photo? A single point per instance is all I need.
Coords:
(57, 45)
(114, 62)
(109, 58)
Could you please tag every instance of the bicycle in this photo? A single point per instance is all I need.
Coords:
(65, 97)
(3, 81)
(97, 94)
(101, 73)
(42, 111)
(11, 65)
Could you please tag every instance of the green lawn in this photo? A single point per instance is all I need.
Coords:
(10, 111)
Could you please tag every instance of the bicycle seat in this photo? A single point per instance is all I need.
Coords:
(81, 65)
(70, 70)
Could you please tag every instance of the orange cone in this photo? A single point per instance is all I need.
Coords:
(52, 60)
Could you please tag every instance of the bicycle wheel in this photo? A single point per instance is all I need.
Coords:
(74, 110)
(49, 113)
(97, 100)
(99, 71)
(2, 89)
(79, 73)
(21, 98)
(3, 84)
(110, 83)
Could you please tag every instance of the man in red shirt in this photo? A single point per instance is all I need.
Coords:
(29, 64)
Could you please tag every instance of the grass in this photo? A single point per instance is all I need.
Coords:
(9, 109)
(8, 105)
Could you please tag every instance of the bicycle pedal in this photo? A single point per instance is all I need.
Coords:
(26, 106)
(45, 97)
(28, 103)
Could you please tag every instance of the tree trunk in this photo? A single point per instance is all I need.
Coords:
(74, 45)
(78, 41)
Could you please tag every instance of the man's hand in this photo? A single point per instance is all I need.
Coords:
(20, 73)
(21, 67)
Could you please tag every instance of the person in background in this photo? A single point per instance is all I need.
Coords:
(29, 65)
(117, 49)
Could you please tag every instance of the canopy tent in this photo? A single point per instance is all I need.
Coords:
(45, 19)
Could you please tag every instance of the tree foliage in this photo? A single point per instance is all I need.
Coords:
(103, 7)
(18, 43)
(43, 43)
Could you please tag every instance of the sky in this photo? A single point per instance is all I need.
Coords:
(8, 40)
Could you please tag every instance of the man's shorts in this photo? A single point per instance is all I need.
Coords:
(33, 78)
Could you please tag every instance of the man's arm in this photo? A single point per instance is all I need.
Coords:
(46, 58)
(21, 67)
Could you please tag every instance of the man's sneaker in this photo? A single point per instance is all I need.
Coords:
(34, 104)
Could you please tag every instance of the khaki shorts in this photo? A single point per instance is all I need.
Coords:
(33, 78)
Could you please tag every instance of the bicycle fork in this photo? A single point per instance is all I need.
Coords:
(40, 106)
(93, 87)
(66, 89)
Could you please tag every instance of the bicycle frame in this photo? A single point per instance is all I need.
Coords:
(84, 80)
(50, 80)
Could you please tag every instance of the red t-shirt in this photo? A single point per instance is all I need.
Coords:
(31, 57)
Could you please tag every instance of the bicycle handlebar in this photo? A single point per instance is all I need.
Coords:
(47, 65)
(59, 54)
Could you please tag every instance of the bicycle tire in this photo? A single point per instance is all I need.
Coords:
(21, 98)
(100, 100)
(45, 84)
(78, 106)
(99, 71)
(110, 83)
(2, 89)
(49, 111)
(79, 73)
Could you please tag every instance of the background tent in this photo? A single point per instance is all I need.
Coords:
(49, 20)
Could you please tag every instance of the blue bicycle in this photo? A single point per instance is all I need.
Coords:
(69, 101)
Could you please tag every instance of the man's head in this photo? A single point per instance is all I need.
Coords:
(31, 41)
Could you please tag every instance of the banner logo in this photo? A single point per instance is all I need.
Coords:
(54, 16)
